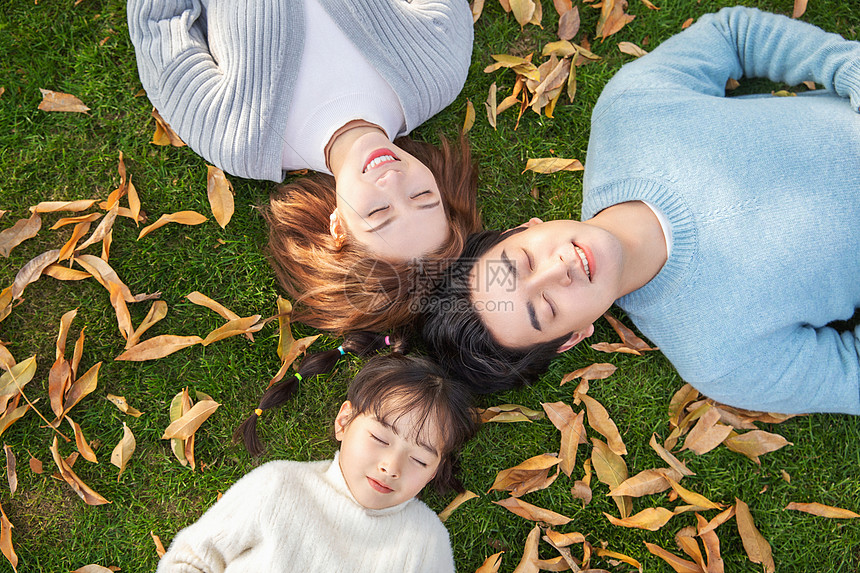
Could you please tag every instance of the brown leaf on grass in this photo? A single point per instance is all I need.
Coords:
(712, 547)
(687, 23)
(13, 380)
(179, 406)
(11, 471)
(83, 447)
(62, 273)
(581, 490)
(81, 387)
(105, 275)
(553, 164)
(219, 190)
(612, 18)
(22, 230)
(77, 353)
(469, 120)
(90, 218)
(59, 101)
(490, 104)
(6, 540)
(564, 539)
(707, 434)
(565, 561)
(491, 564)
(523, 66)
(123, 450)
(134, 203)
(823, 510)
(554, 75)
(189, 422)
(568, 24)
(599, 420)
(799, 8)
(620, 556)
(755, 443)
(5, 302)
(628, 337)
(685, 538)
(157, 311)
(476, 7)
(158, 347)
(572, 431)
(678, 564)
(652, 519)
(618, 347)
(455, 503)
(79, 231)
(159, 547)
(631, 49)
(756, 546)
(530, 556)
(611, 470)
(596, 371)
(180, 217)
(164, 134)
(297, 348)
(532, 512)
(36, 466)
(234, 327)
(120, 402)
(728, 416)
(523, 10)
(189, 451)
(56, 206)
(509, 413)
(31, 272)
(646, 482)
(691, 497)
(123, 317)
(12, 414)
(669, 458)
(94, 567)
(7, 361)
(102, 229)
(528, 476)
(85, 492)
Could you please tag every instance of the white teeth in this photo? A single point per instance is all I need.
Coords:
(379, 160)
(584, 260)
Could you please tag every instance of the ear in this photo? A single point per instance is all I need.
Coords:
(576, 338)
(337, 228)
(529, 223)
(341, 421)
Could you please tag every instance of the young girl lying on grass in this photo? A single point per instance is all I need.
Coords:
(401, 427)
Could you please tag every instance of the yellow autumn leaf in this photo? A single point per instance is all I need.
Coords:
(123, 450)
(189, 422)
(158, 347)
(552, 165)
(652, 519)
(455, 503)
(219, 190)
(180, 217)
(822, 510)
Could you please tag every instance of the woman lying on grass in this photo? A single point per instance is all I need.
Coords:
(731, 237)
(262, 88)
(401, 427)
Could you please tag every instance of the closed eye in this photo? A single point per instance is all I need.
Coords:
(529, 260)
(377, 210)
(419, 462)
(422, 193)
(549, 303)
(380, 440)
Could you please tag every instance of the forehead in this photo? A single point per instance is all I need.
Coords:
(421, 428)
(496, 296)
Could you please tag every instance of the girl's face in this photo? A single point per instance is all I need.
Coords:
(388, 201)
(382, 463)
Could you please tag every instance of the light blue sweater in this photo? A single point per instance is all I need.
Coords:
(763, 198)
(233, 111)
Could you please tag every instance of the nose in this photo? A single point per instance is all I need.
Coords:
(554, 271)
(390, 467)
(391, 179)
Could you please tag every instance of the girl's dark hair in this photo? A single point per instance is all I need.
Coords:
(457, 338)
(393, 385)
(359, 343)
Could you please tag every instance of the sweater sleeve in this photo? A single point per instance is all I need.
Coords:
(742, 41)
(234, 525)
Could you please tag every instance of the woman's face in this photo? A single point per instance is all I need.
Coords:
(389, 201)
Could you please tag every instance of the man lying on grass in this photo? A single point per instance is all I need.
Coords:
(728, 229)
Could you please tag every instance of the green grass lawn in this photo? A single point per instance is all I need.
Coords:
(85, 50)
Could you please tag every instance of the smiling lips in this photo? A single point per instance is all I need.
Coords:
(379, 486)
(584, 260)
(379, 157)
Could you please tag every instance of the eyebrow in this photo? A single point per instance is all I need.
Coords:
(530, 307)
(390, 220)
(421, 443)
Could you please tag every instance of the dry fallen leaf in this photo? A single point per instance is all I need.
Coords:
(707, 433)
(532, 512)
(652, 519)
(528, 476)
(691, 497)
(164, 134)
(628, 337)
(523, 10)
(179, 406)
(36, 466)
(95, 568)
(799, 8)
(120, 402)
(631, 49)
(83, 447)
(670, 459)
(233, 328)
(568, 24)
(552, 165)
(105, 275)
(491, 564)
(823, 510)
(596, 371)
(55, 206)
(599, 420)
(509, 413)
(123, 450)
(31, 272)
(476, 7)
(22, 230)
(186, 425)
(455, 503)
(612, 18)
(180, 217)
(469, 120)
(611, 470)
(157, 311)
(11, 472)
(572, 431)
(159, 547)
(755, 443)
(6, 540)
(158, 347)
(58, 101)
(85, 492)
(678, 564)
(646, 482)
(220, 193)
(13, 380)
(528, 563)
(757, 548)
(490, 104)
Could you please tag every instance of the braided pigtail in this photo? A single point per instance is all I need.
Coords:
(360, 343)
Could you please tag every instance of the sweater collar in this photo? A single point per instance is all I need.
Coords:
(334, 476)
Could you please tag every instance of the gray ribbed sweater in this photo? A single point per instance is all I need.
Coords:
(222, 73)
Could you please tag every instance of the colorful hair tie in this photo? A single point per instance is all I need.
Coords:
(298, 376)
(341, 350)
(387, 340)
(258, 411)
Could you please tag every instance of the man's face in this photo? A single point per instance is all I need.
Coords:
(550, 280)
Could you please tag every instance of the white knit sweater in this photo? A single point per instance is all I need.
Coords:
(300, 516)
